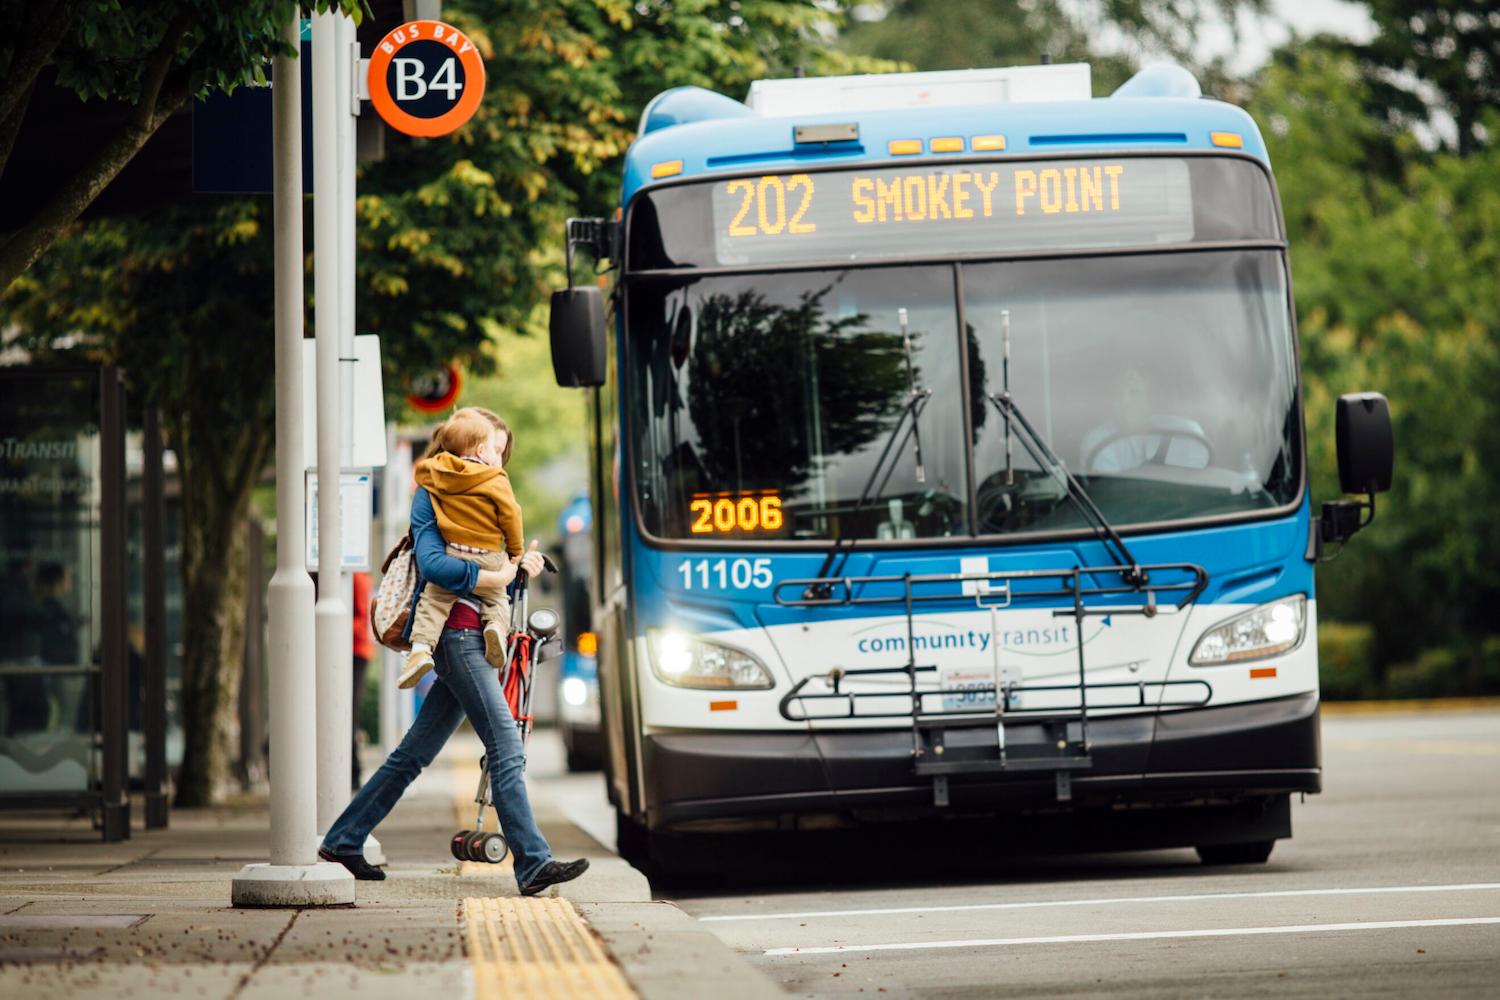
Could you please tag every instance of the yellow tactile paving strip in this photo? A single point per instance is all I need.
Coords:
(520, 947)
(536, 947)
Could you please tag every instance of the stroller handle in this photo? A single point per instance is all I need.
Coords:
(522, 576)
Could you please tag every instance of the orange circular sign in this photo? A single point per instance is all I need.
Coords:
(436, 390)
(426, 78)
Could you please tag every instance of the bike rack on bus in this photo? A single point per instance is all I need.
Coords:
(1066, 746)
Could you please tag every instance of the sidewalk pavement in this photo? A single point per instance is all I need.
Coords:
(151, 916)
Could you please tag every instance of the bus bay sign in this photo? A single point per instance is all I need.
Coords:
(426, 78)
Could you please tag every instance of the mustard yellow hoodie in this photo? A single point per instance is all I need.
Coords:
(473, 503)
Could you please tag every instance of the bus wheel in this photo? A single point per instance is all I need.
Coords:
(1252, 852)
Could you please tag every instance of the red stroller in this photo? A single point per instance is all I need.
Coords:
(530, 641)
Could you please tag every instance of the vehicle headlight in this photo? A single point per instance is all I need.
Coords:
(575, 692)
(1258, 633)
(686, 661)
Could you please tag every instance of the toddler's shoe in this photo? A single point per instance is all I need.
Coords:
(418, 662)
(494, 644)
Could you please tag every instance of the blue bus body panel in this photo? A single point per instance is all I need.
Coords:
(1247, 563)
(1107, 125)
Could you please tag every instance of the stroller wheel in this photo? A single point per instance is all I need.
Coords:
(456, 844)
(474, 846)
(494, 848)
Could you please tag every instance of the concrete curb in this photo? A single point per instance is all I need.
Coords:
(665, 953)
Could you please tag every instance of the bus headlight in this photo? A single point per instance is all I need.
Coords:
(575, 692)
(686, 661)
(1258, 633)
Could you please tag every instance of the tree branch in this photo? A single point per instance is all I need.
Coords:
(24, 246)
(11, 127)
(39, 41)
(157, 66)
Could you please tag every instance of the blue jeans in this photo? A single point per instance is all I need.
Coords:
(466, 686)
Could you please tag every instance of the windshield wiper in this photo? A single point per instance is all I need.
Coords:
(916, 401)
(1047, 460)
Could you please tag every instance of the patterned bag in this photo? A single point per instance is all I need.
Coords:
(390, 605)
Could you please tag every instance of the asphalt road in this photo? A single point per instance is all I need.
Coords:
(1390, 886)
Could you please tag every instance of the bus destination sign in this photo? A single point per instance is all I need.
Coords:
(891, 212)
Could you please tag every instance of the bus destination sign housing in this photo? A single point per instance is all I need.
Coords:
(951, 208)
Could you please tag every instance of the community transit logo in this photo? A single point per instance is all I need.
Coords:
(935, 636)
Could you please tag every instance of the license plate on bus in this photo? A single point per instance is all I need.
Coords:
(968, 690)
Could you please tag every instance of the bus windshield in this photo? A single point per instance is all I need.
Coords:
(762, 404)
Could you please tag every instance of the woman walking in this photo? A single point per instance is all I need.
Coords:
(466, 686)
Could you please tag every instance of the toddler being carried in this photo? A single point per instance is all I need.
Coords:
(480, 521)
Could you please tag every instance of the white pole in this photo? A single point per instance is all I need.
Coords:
(347, 149)
(293, 877)
(335, 641)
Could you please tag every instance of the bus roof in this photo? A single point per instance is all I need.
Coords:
(692, 132)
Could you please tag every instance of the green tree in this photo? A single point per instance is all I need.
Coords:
(937, 35)
(146, 56)
(1395, 284)
(459, 242)
(1435, 58)
(463, 233)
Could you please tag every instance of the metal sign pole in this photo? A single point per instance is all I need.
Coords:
(334, 641)
(348, 105)
(294, 877)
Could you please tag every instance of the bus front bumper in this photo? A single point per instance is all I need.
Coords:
(1232, 752)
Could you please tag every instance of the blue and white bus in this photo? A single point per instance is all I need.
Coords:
(948, 457)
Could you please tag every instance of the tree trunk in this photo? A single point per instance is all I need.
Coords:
(214, 522)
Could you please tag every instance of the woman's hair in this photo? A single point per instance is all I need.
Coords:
(499, 424)
(468, 428)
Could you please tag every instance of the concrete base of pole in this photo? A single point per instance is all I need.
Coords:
(374, 854)
(321, 884)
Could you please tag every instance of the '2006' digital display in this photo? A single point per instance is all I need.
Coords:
(948, 208)
(735, 513)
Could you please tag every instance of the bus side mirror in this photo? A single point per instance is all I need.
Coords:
(1366, 447)
(1367, 455)
(578, 341)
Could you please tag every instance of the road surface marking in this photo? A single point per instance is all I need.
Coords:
(964, 908)
(1373, 925)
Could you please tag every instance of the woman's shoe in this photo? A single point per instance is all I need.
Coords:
(553, 873)
(356, 863)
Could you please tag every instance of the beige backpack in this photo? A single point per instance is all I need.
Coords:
(390, 605)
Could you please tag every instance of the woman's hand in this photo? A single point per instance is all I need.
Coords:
(531, 562)
(492, 582)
